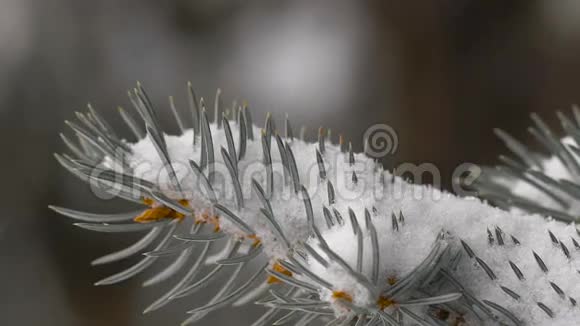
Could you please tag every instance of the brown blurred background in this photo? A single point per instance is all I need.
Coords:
(442, 73)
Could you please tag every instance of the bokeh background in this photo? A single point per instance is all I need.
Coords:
(442, 73)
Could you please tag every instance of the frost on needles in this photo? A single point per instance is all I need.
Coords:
(326, 236)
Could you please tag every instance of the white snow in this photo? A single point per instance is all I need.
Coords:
(427, 212)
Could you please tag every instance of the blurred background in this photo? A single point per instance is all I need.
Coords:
(442, 73)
